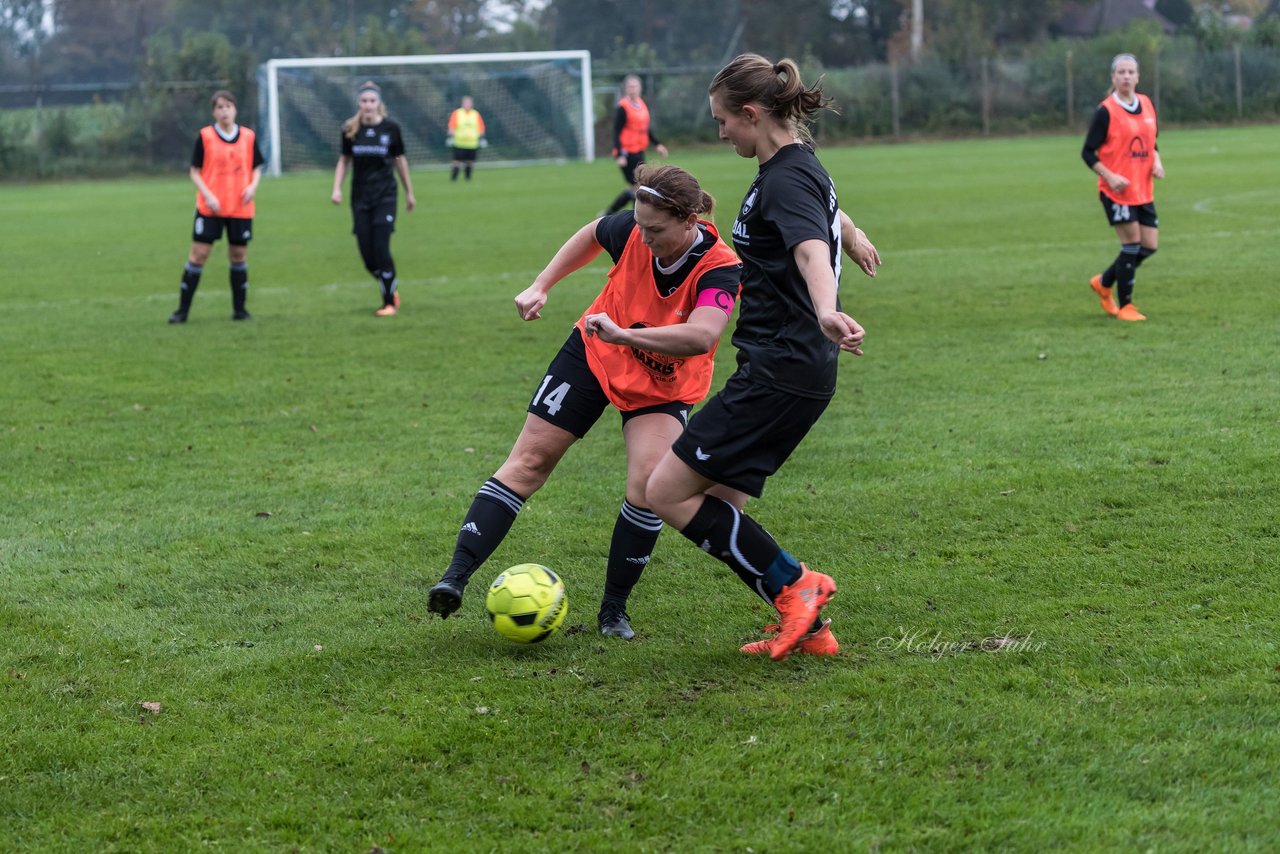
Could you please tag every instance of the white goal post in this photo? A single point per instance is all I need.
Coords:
(537, 105)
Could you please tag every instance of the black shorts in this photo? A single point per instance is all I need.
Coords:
(208, 229)
(1118, 214)
(465, 155)
(634, 159)
(570, 396)
(368, 217)
(745, 432)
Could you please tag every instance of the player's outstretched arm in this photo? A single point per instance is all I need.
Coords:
(856, 245)
(576, 253)
(698, 335)
(813, 258)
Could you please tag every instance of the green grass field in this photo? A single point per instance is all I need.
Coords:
(239, 521)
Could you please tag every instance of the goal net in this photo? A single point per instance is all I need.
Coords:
(536, 105)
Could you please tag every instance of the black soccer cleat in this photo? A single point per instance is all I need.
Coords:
(241, 314)
(178, 316)
(613, 621)
(445, 597)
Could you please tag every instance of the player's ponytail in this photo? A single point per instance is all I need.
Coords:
(775, 86)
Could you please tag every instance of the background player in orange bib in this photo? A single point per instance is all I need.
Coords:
(226, 167)
(1121, 148)
(646, 346)
(632, 134)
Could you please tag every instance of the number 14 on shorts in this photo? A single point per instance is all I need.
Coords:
(554, 399)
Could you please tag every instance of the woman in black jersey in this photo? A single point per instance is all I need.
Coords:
(373, 149)
(789, 335)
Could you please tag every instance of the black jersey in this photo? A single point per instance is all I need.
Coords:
(613, 231)
(197, 155)
(373, 153)
(779, 341)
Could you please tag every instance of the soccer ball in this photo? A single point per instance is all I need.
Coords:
(527, 603)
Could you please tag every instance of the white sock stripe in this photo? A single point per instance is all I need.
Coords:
(733, 542)
(502, 495)
(641, 518)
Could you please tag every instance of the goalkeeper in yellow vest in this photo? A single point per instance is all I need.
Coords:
(466, 136)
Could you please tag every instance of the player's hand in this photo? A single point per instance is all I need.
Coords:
(247, 195)
(1157, 171)
(622, 160)
(448, 140)
(843, 330)
(336, 198)
(602, 326)
(530, 301)
(1118, 183)
(662, 150)
(864, 254)
(212, 201)
(409, 202)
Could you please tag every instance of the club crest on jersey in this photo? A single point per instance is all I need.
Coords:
(749, 201)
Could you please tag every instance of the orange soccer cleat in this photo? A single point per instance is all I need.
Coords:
(386, 311)
(799, 604)
(1130, 312)
(821, 642)
(1104, 295)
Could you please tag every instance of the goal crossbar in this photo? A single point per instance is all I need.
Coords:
(271, 97)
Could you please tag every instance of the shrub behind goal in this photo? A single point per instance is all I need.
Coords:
(536, 105)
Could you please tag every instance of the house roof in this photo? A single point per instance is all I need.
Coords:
(1101, 16)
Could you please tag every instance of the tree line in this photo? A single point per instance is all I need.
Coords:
(44, 42)
(108, 86)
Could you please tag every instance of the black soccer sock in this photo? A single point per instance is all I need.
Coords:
(624, 198)
(1126, 265)
(387, 284)
(734, 538)
(239, 284)
(468, 171)
(453, 174)
(1143, 254)
(634, 535)
(190, 281)
(492, 513)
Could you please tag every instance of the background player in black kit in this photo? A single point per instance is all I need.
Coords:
(374, 149)
(789, 336)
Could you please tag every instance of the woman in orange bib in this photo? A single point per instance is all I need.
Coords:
(632, 136)
(1121, 148)
(226, 167)
(646, 346)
